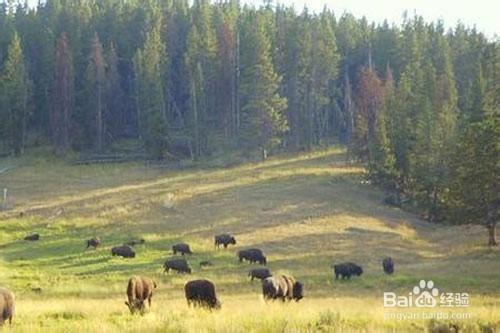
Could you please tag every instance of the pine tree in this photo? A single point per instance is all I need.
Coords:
(227, 30)
(474, 195)
(149, 65)
(263, 109)
(324, 74)
(16, 94)
(200, 59)
(382, 162)
(370, 98)
(96, 89)
(115, 117)
(63, 97)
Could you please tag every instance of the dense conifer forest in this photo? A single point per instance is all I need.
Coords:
(418, 104)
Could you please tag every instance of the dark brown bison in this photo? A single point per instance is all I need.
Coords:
(139, 289)
(182, 248)
(178, 265)
(135, 242)
(282, 287)
(7, 305)
(33, 237)
(388, 265)
(346, 270)
(225, 240)
(201, 293)
(124, 251)
(259, 273)
(205, 263)
(93, 242)
(252, 255)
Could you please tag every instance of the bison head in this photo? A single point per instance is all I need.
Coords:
(232, 240)
(298, 291)
(358, 271)
(136, 306)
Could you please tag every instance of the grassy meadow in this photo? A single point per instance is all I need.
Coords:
(304, 211)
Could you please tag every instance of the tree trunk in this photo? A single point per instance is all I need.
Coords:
(492, 234)
(100, 127)
(195, 120)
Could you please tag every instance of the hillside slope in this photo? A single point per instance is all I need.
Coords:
(305, 211)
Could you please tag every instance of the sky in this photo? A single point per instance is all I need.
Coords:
(484, 14)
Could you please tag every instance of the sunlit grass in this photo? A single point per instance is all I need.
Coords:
(305, 211)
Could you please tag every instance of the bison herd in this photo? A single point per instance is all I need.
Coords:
(200, 292)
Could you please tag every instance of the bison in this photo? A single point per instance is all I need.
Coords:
(252, 255)
(259, 273)
(201, 293)
(282, 287)
(7, 305)
(178, 265)
(182, 248)
(225, 240)
(124, 251)
(205, 263)
(139, 289)
(94, 242)
(33, 237)
(135, 242)
(346, 270)
(388, 265)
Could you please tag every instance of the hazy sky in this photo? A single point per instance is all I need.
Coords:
(485, 14)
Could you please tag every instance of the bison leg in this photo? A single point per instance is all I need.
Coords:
(225, 246)
(336, 276)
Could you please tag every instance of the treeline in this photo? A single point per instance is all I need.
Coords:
(418, 104)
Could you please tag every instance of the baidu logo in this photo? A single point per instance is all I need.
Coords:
(426, 295)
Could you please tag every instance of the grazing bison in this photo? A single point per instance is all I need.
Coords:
(282, 287)
(124, 251)
(224, 239)
(259, 273)
(33, 237)
(178, 265)
(346, 270)
(182, 248)
(94, 242)
(201, 293)
(388, 265)
(252, 255)
(139, 289)
(7, 305)
(135, 242)
(205, 263)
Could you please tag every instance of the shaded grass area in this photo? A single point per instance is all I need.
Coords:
(305, 211)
